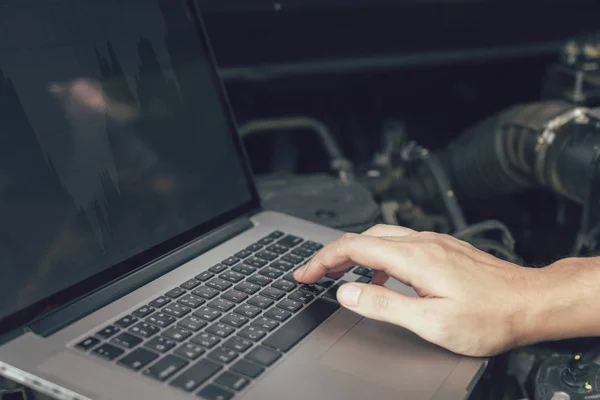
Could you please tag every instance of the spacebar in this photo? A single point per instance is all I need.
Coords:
(301, 325)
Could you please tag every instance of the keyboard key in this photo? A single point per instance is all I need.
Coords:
(205, 292)
(223, 355)
(243, 254)
(217, 269)
(126, 340)
(232, 381)
(286, 286)
(207, 314)
(302, 252)
(190, 351)
(254, 247)
(260, 280)
(363, 279)
(255, 262)
(301, 325)
(205, 340)
(248, 288)
(290, 305)
(312, 245)
(361, 271)
(238, 344)
(161, 301)
(265, 323)
(247, 310)
(160, 344)
(301, 297)
(277, 248)
(108, 331)
(273, 293)
(232, 276)
(108, 351)
(276, 235)
(282, 265)
(177, 334)
(325, 282)
(292, 259)
(192, 323)
(160, 319)
(247, 368)
(290, 241)
(212, 392)
(234, 320)
(267, 255)
(230, 261)
(261, 302)
(290, 278)
(220, 329)
(270, 272)
(190, 284)
(138, 359)
(253, 333)
(221, 304)
(278, 314)
(218, 284)
(312, 289)
(265, 241)
(244, 269)
(191, 301)
(235, 296)
(166, 367)
(143, 311)
(332, 293)
(176, 310)
(175, 293)
(126, 321)
(88, 343)
(263, 356)
(204, 276)
(191, 379)
(144, 330)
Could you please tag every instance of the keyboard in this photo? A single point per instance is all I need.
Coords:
(217, 332)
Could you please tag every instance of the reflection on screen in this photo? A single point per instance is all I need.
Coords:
(112, 139)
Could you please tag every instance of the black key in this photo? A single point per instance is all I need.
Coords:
(259, 280)
(192, 323)
(244, 269)
(175, 293)
(144, 330)
(160, 319)
(265, 241)
(253, 333)
(332, 293)
(261, 302)
(238, 344)
(207, 314)
(314, 246)
(108, 351)
(248, 288)
(218, 284)
(138, 359)
(255, 262)
(230, 261)
(247, 310)
(265, 323)
(282, 265)
(190, 284)
(263, 356)
(160, 344)
(302, 252)
(235, 296)
(290, 305)
(126, 321)
(220, 329)
(278, 314)
(267, 255)
(204, 276)
(290, 241)
(270, 272)
(276, 235)
(108, 331)
(301, 325)
(190, 351)
(177, 334)
(191, 379)
(221, 305)
(273, 293)
(205, 340)
(223, 355)
(205, 292)
(361, 271)
(325, 282)
(232, 381)
(126, 340)
(292, 258)
(232, 276)
(277, 248)
(243, 254)
(254, 247)
(217, 269)
(234, 320)
(87, 343)
(301, 297)
(143, 311)
(286, 286)
(290, 278)
(176, 310)
(312, 289)
(166, 367)
(212, 392)
(247, 368)
(191, 301)
(161, 301)
(363, 279)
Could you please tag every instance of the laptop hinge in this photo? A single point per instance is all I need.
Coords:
(82, 307)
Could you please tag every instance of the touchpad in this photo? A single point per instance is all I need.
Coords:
(390, 356)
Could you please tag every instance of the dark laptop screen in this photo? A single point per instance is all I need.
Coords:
(113, 139)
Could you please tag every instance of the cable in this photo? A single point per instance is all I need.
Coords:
(486, 226)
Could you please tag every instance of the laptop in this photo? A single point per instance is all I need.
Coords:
(137, 262)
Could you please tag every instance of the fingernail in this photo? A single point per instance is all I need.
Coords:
(349, 294)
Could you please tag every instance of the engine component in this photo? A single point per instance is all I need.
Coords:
(567, 377)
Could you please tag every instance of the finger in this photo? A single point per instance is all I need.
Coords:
(388, 230)
(379, 278)
(336, 275)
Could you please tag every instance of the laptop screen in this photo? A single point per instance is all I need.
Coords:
(114, 138)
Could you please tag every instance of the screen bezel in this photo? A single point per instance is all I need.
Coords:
(29, 314)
